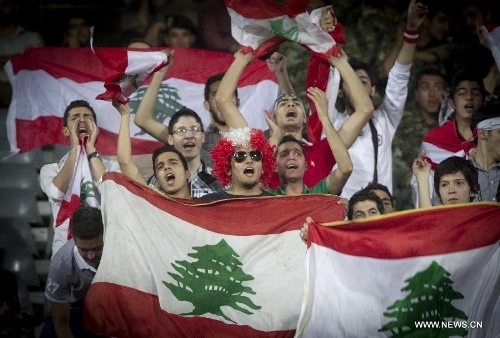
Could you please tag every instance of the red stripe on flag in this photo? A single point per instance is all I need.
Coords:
(30, 137)
(150, 320)
(434, 231)
(267, 9)
(271, 215)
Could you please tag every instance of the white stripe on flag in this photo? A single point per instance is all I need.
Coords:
(349, 302)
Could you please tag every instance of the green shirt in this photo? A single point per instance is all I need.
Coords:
(319, 188)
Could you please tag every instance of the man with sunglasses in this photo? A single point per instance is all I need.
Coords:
(71, 272)
(290, 119)
(243, 162)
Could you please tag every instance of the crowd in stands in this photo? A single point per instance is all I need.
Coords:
(417, 120)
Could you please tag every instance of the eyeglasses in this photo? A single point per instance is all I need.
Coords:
(183, 131)
(240, 156)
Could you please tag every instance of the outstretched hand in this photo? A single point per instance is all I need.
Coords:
(320, 101)
(421, 167)
(305, 228)
(417, 12)
(123, 109)
(328, 19)
(277, 63)
(240, 55)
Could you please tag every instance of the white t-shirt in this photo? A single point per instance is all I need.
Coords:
(386, 119)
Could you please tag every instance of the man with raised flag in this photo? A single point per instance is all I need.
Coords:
(76, 178)
(289, 119)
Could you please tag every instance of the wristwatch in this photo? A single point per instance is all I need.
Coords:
(94, 154)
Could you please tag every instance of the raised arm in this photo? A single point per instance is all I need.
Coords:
(124, 148)
(361, 101)
(422, 169)
(144, 116)
(336, 180)
(229, 111)
(277, 64)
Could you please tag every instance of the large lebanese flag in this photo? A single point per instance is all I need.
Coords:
(46, 80)
(179, 268)
(433, 272)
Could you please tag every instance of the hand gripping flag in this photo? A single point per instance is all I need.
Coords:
(181, 268)
(126, 70)
(261, 26)
(46, 80)
(432, 272)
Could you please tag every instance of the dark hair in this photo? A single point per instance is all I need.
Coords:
(378, 186)
(180, 21)
(357, 64)
(431, 71)
(184, 111)
(364, 195)
(485, 112)
(455, 164)
(290, 138)
(211, 80)
(466, 74)
(168, 149)
(78, 104)
(87, 223)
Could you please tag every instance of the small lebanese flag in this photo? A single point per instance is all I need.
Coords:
(35, 114)
(181, 268)
(492, 36)
(432, 272)
(126, 70)
(80, 191)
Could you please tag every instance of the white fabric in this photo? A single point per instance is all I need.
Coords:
(359, 296)
(386, 118)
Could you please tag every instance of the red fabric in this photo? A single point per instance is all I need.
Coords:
(263, 210)
(426, 232)
(149, 320)
(446, 138)
(266, 9)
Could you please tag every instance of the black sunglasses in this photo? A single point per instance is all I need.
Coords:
(240, 156)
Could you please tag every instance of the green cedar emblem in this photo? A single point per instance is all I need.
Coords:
(214, 280)
(429, 299)
(86, 191)
(277, 28)
(167, 103)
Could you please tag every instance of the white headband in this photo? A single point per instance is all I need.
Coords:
(489, 124)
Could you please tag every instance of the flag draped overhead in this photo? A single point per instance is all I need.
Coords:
(423, 273)
(46, 80)
(175, 268)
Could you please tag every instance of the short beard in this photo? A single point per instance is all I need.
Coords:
(216, 118)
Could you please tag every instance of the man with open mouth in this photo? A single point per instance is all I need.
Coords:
(184, 132)
(169, 166)
(56, 178)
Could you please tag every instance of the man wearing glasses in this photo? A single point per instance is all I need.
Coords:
(185, 133)
(71, 272)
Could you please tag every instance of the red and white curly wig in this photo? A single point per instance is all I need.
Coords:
(242, 137)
